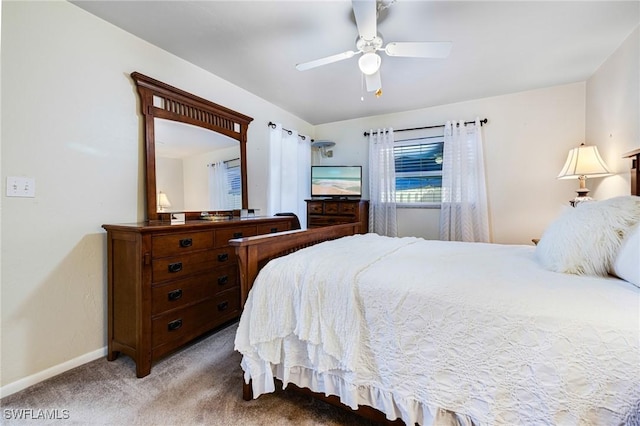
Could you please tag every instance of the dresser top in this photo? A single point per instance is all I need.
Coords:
(193, 224)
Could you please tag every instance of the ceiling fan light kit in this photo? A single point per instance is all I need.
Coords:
(369, 63)
(369, 42)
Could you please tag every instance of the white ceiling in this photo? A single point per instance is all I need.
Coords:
(498, 47)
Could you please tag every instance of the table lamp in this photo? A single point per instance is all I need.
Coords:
(582, 162)
(163, 202)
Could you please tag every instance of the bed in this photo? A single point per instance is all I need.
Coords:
(434, 332)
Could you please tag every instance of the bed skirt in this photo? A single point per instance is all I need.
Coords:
(409, 411)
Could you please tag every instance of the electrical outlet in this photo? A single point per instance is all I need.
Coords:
(21, 187)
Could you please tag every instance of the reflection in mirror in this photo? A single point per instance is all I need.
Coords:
(196, 169)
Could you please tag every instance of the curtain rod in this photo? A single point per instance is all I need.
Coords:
(483, 121)
(225, 161)
(273, 126)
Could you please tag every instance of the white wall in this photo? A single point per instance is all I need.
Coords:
(171, 181)
(526, 142)
(70, 120)
(613, 115)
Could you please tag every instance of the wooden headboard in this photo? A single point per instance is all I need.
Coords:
(635, 170)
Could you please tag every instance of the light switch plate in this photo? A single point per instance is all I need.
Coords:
(21, 187)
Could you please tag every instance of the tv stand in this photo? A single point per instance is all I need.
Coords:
(338, 210)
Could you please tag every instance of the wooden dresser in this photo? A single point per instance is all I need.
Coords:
(335, 211)
(168, 284)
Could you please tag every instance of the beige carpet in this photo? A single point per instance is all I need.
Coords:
(199, 385)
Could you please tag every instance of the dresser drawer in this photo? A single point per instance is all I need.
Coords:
(348, 208)
(331, 208)
(270, 228)
(317, 221)
(194, 289)
(171, 245)
(225, 278)
(224, 235)
(185, 324)
(176, 267)
(314, 207)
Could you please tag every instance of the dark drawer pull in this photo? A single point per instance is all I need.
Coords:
(187, 242)
(222, 306)
(174, 295)
(174, 325)
(175, 267)
(273, 230)
(237, 234)
(223, 257)
(223, 280)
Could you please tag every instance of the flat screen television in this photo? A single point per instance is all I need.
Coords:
(336, 181)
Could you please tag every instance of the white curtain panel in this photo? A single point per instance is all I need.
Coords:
(464, 212)
(218, 186)
(382, 184)
(289, 173)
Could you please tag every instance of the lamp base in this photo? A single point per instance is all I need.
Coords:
(581, 198)
(582, 192)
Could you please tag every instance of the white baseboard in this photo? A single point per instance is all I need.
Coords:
(33, 379)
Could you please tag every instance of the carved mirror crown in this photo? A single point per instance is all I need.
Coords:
(160, 100)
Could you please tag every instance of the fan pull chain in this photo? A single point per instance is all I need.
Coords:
(361, 87)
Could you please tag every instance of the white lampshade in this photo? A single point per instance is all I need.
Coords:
(163, 202)
(582, 162)
(369, 63)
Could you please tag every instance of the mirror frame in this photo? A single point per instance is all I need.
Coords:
(185, 107)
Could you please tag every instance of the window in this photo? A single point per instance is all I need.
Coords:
(419, 171)
(225, 185)
(234, 183)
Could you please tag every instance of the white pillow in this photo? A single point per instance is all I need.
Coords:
(626, 265)
(585, 240)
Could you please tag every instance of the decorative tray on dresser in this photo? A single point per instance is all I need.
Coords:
(168, 284)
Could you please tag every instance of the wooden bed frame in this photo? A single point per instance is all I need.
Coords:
(254, 252)
(635, 170)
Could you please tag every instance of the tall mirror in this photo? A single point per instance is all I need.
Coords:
(195, 152)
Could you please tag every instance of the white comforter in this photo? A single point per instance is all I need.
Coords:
(410, 326)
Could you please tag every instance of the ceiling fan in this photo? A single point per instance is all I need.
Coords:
(369, 42)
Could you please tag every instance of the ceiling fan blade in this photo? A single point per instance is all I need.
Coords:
(419, 49)
(365, 12)
(373, 81)
(324, 61)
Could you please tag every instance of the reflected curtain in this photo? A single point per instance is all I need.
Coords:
(218, 186)
(382, 183)
(289, 174)
(464, 212)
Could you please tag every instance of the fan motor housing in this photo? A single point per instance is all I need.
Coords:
(369, 45)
